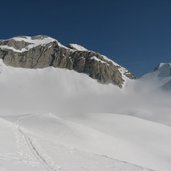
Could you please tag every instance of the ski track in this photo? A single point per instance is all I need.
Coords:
(44, 161)
(33, 149)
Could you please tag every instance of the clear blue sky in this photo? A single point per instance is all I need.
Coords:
(135, 33)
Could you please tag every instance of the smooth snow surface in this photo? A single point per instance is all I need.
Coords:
(59, 120)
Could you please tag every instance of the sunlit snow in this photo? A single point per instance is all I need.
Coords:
(55, 119)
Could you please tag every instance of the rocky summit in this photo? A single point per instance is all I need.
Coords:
(43, 51)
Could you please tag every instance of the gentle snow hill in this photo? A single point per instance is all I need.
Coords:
(68, 92)
(15, 154)
(22, 149)
(120, 137)
(63, 120)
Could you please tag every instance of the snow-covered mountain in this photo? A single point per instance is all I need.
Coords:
(160, 77)
(43, 51)
(58, 119)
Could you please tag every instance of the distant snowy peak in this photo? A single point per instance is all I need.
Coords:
(160, 77)
(77, 47)
(162, 64)
(163, 70)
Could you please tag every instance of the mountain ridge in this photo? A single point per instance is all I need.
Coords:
(43, 51)
(53, 118)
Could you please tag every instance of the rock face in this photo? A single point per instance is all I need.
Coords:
(43, 51)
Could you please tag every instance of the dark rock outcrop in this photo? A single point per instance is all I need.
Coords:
(43, 51)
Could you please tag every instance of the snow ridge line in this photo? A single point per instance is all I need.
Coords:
(32, 147)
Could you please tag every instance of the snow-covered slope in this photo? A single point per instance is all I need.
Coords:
(56, 119)
(160, 77)
(22, 149)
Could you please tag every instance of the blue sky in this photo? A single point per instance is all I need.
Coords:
(134, 33)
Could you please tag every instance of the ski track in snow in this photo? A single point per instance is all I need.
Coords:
(33, 149)
(47, 162)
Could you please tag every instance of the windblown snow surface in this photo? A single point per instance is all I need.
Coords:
(59, 120)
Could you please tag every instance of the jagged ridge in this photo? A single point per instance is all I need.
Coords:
(43, 51)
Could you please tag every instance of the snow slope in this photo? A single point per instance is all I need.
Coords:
(22, 149)
(14, 151)
(160, 77)
(55, 119)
